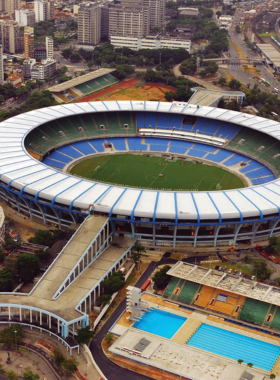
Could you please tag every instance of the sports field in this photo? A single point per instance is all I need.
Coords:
(154, 172)
(128, 90)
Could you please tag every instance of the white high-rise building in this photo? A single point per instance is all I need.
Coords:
(49, 47)
(41, 10)
(25, 17)
(1, 65)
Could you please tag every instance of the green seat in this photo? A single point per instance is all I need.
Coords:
(188, 292)
(254, 311)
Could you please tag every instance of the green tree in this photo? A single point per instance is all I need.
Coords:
(45, 237)
(160, 278)
(11, 375)
(2, 255)
(43, 254)
(66, 53)
(8, 335)
(240, 361)
(238, 29)
(108, 337)
(222, 81)
(106, 298)
(58, 357)
(28, 267)
(29, 375)
(261, 270)
(234, 84)
(70, 366)
(75, 57)
(250, 365)
(151, 76)
(137, 251)
(64, 79)
(7, 281)
(272, 376)
(10, 245)
(114, 283)
(84, 335)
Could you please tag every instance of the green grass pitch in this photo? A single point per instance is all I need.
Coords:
(143, 171)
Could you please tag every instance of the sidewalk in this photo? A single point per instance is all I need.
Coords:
(85, 366)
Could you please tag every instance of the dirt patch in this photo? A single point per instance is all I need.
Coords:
(250, 69)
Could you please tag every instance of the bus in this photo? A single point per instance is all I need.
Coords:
(267, 83)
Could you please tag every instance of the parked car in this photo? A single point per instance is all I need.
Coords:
(264, 254)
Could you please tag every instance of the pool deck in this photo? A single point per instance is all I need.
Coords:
(174, 356)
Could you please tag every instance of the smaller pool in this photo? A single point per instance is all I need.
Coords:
(160, 323)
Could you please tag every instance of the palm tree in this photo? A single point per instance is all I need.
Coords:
(21, 350)
(272, 376)
(250, 365)
(137, 250)
(240, 361)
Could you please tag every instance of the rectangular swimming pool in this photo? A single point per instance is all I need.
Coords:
(160, 323)
(235, 346)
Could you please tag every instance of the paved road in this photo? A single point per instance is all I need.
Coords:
(111, 370)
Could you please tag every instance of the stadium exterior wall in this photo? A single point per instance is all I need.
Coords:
(252, 220)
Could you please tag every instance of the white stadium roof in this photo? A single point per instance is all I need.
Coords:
(31, 177)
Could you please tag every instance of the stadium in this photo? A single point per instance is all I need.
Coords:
(228, 163)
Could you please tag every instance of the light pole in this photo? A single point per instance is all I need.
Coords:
(16, 339)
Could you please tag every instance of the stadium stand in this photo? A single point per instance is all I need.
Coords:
(118, 142)
(275, 323)
(212, 127)
(98, 144)
(206, 294)
(71, 152)
(151, 120)
(220, 156)
(84, 147)
(163, 121)
(60, 157)
(260, 181)
(236, 159)
(134, 143)
(96, 84)
(175, 121)
(53, 163)
(188, 291)
(171, 286)
(254, 311)
(252, 165)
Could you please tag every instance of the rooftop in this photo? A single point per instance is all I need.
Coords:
(79, 80)
(226, 282)
(271, 53)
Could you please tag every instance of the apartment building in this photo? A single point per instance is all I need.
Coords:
(1, 65)
(49, 47)
(9, 36)
(129, 20)
(89, 23)
(10, 6)
(41, 71)
(25, 17)
(41, 10)
(28, 41)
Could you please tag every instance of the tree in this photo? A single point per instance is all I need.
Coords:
(160, 278)
(114, 283)
(11, 375)
(108, 337)
(10, 245)
(7, 281)
(70, 365)
(29, 375)
(58, 357)
(64, 79)
(222, 81)
(66, 53)
(137, 251)
(151, 76)
(272, 376)
(28, 267)
(261, 270)
(84, 335)
(8, 335)
(234, 84)
(43, 254)
(45, 237)
(2, 255)
(75, 57)
(240, 361)
(105, 299)
(250, 365)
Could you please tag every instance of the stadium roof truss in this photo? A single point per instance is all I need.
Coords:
(31, 178)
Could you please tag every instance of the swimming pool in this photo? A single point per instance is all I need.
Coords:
(160, 323)
(235, 346)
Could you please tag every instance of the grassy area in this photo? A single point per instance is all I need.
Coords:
(239, 267)
(144, 170)
(270, 34)
(239, 51)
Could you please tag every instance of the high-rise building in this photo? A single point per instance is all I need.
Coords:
(25, 17)
(11, 6)
(28, 42)
(89, 23)
(41, 10)
(50, 10)
(128, 20)
(1, 65)
(157, 11)
(49, 47)
(9, 36)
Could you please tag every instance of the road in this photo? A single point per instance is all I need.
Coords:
(111, 370)
(63, 62)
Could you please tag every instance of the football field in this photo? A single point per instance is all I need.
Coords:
(155, 172)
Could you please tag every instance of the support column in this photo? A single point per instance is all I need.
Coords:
(217, 230)
(95, 245)
(9, 310)
(237, 228)
(94, 296)
(195, 235)
(50, 322)
(40, 318)
(58, 326)
(20, 314)
(30, 316)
